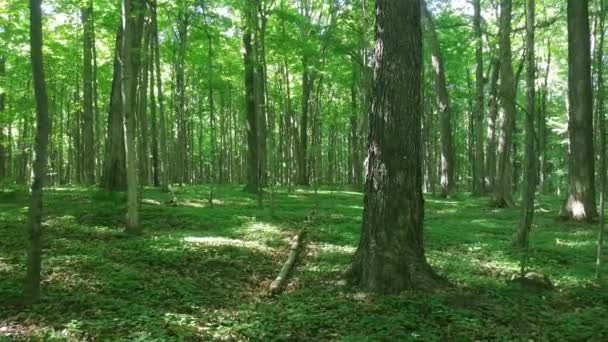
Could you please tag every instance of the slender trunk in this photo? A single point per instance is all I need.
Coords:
(448, 186)
(529, 185)
(479, 181)
(252, 122)
(32, 282)
(506, 98)
(132, 24)
(88, 122)
(602, 133)
(164, 152)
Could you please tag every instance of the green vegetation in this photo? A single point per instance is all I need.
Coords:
(202, 273)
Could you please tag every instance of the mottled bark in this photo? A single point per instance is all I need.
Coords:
(506, 105)
(580, 203)
(390, 257)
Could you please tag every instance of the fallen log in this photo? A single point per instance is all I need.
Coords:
(277, 285)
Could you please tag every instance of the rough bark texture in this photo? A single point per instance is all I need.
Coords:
(580, 204)
(164, 152)
(132, 22)
(448, 186)
(479, 181)
(529, 185)
(390, 256)
(32, 282)
(506, 99)
(88, 139)
(115, 173)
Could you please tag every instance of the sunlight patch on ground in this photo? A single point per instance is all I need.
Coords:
(573, 244)
(200, 203)
(150, 201)
(221, 241)
(4, 267)
(261, 231)
(331, 248)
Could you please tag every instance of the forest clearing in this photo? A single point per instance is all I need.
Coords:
(303, 170)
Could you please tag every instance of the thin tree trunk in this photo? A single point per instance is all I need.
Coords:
(529, 185)
(448, 185)
(88, 119)
(32, 282)
(479, 181)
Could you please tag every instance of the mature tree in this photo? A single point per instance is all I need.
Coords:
(253, 164)
(32, 283)
(88, 122)
(506, 101)
(529, 185)
(132, 24)
(479, 181)
(3, 149)
(391, 256)
(580, 203)
(601, 116)
(448, 185)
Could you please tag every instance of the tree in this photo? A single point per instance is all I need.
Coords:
(253, 164)
(34, 260)
(601, 116)
(529, 185)
(448, 185)
(506, 103)
(580, 203)
(132, 23)
(390, 256)
(88, 138)
(479, 181)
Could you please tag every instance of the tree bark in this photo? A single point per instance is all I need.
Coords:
(479, 181)
(132, 24)
(34, 260)
(115, 173)
(250, 106)
(390, 257)
(580, 204)
(3, 142)
(507, 111)
(88, 122)
(529, 185)
(448, 186)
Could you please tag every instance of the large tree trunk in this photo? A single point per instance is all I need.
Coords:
(32, 282)
(479, 181)
(490, 163)
(448, 185)
(506, 98)
(88, 122)
(580, 204)
(132, 24)
(142, 110)
(390, 257)
(529, 185)
(115, 173)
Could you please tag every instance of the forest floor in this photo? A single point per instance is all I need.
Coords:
(201, 273)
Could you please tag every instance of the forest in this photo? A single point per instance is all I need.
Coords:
(303, 170)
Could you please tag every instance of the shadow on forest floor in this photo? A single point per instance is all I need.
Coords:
(202, 273)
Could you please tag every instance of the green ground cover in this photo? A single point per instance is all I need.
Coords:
(201, 273)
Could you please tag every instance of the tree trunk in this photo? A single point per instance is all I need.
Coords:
(88, 122)
(250, 106)
(390, 257)
(32, 282)
(132, 24)
(3, 143)
(164, 151)
(142, 110)
(448, 186)
(115, 173)
(506, 99)
(529, 185)
(490, 166)
(580, 204)
(479, 181)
